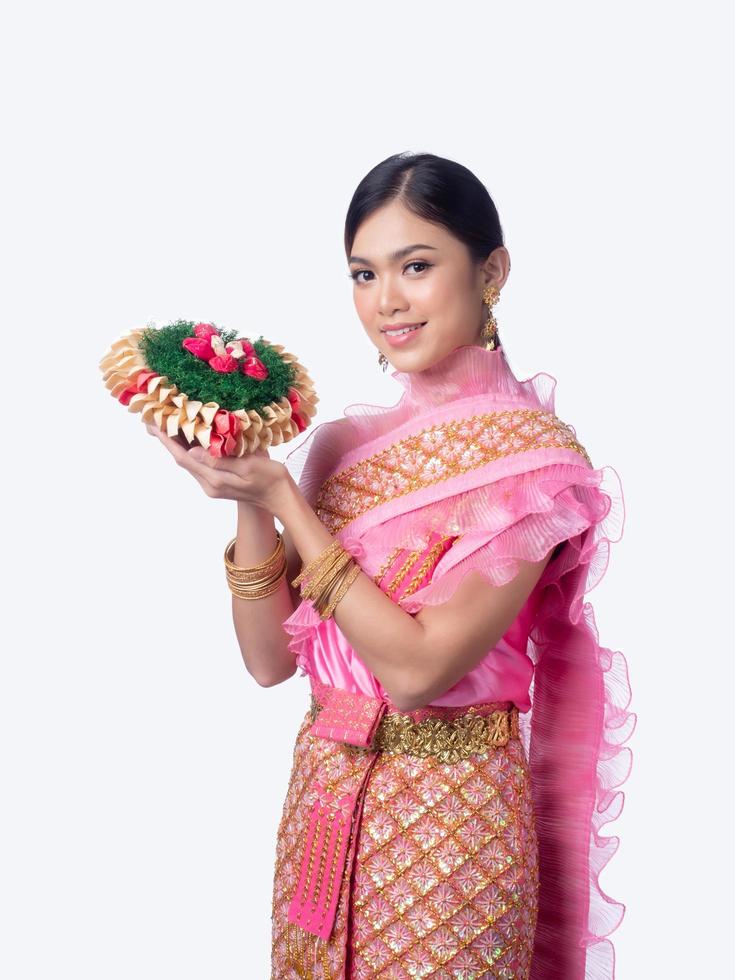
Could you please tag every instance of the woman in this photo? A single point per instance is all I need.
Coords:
(465, 729)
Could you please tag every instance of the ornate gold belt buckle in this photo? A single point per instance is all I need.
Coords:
(449, 741)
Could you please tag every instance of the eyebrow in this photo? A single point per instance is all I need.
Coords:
(394, 256)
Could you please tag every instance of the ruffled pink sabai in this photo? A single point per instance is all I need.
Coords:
(473, 453)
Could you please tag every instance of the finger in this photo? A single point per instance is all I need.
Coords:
(178, 438)
(212, 472)
(174, 445)
(230, 464)
(201, 465)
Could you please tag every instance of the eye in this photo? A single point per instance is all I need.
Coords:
(358, 272)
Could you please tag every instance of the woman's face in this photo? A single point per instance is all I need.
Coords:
(407, 270)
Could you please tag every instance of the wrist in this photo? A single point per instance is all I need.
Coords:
(250, 516)
(288, 499)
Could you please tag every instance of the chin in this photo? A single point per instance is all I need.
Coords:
(418, 360)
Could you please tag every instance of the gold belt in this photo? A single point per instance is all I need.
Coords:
(448, 740)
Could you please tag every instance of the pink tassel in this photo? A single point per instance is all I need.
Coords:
(314, 904)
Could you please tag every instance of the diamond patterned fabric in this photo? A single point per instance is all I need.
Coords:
(444, 879)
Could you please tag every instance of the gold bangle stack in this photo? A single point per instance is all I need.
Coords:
(326, 579)
(256, 581)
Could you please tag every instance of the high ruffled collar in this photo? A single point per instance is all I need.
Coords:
(468, 371)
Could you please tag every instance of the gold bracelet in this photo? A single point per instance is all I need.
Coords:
(327, 577)
(321, 581)
(257, 590)
(316, 573)
(256, 581)
(321, 602)
(328, 554)
(259, 593)
(252, 572)
(342, 589)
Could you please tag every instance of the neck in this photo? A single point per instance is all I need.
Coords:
(469, 380)
(467, 371)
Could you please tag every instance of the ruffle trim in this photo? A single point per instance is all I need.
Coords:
(301, 625)
(520, 517)
(563, 617)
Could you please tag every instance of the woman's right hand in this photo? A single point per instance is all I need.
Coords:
(253, 479)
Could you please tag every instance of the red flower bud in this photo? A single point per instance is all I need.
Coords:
(299, 420)
(205, 330)
(200, 347)
(138, 386)
(224, 365)
(143, 378)
(246, 345)
(254, 367)
(294, 398)
(125, 395)
(225, 423)
(223, 440)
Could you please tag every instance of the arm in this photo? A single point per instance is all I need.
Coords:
(251, 481)
(258, 623)
(415, 658)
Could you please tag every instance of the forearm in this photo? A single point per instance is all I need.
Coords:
(389, 641)
(258, 622)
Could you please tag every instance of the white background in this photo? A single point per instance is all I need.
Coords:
(191, 160)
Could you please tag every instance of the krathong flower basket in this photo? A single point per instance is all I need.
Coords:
(210, 386)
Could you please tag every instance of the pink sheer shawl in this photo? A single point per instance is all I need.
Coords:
(473, 453)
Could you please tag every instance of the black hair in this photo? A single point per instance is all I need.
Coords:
(436, 189)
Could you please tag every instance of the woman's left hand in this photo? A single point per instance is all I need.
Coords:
(254, 478)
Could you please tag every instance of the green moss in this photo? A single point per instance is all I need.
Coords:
(164, 354)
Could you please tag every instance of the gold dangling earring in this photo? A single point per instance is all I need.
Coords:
(489, 335)
(383, 361)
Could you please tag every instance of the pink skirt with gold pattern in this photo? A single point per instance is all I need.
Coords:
(438, 875)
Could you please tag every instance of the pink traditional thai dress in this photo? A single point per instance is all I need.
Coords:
(461, 840)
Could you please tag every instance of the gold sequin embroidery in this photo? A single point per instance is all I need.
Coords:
(386, 565)
(446, 874)
(428, 563)
(435, 454)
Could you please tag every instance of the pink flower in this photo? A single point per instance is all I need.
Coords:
(205, 330)
(199, 346)
(139, 386)
(225, 365)
(246, 345)
(295, 401)
(223, 440)
(254, 367)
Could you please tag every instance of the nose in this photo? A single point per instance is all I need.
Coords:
(391, 299)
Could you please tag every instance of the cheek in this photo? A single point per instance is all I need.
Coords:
(433, 295)
(365, 303)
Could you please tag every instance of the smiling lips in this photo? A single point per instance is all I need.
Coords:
(400, 326)
(399, 333)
